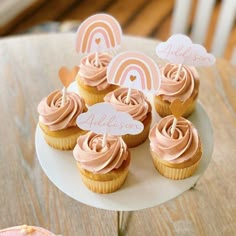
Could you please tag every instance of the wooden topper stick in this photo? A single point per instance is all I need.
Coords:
(63, 100)
(97, 62)
(104, 138)
(66, 77)
(178, 108)
(172, 131)
(127, 100)
(178, 72)
(132, 78)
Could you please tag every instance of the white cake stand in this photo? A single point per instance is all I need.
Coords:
(144, 186)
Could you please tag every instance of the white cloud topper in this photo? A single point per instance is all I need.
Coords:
(102, 118)
(179, 49)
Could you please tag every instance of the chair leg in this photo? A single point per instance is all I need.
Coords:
(119, 222)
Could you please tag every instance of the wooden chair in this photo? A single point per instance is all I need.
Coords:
(12, 11)
(225, 21)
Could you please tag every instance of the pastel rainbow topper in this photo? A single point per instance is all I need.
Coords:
(97, 33)
(134, 70)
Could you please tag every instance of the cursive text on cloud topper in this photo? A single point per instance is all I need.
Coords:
(102, 118)
(179, 49)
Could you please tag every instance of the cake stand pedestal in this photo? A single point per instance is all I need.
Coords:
(119, 221)
(144, 186)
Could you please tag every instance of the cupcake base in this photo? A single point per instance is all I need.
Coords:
(177, 171)
(62, 139)
(163, 107)
(137, 139)
(105, 183)
(90, 94)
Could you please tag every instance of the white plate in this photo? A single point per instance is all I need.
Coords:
(144, 186)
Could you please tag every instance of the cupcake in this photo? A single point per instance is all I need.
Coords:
(25, 230)
(57, 122)
(92, 78)
(138, 107)
(184, 88)
(177, 155)
(103, 167)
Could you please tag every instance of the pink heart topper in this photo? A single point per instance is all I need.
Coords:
(102, 118)
(67, 76)
(179, 49)
(133, 69)
(97, 33)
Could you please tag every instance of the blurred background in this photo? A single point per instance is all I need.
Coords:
(146, 18)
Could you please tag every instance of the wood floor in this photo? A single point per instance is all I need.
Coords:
(148, 18)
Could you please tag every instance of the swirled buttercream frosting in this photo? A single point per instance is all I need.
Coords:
(176, 148)
(138, 106)
(25, 230)
(98, 158)
(93, 74)
(58, 117)
(184, 87)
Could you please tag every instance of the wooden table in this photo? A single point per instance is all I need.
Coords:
(146, 18)
(28, 72)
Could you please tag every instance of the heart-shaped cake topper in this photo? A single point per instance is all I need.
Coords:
(97, 40)
(132, 78)
(67, 76)
(178, 108)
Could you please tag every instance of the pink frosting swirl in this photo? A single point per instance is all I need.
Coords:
(138, 106)
(99, 159)
(58, 117)
(92, 75)
(179, 148)
(25, 230)
(184, 87)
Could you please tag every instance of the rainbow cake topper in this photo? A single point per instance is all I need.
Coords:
(134, 70)
(98, 33)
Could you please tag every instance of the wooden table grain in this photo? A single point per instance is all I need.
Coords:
(28, 72)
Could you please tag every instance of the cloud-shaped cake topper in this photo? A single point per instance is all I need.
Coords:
(98, 33)
(102, 118)
(179, 49)
(133, 69)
